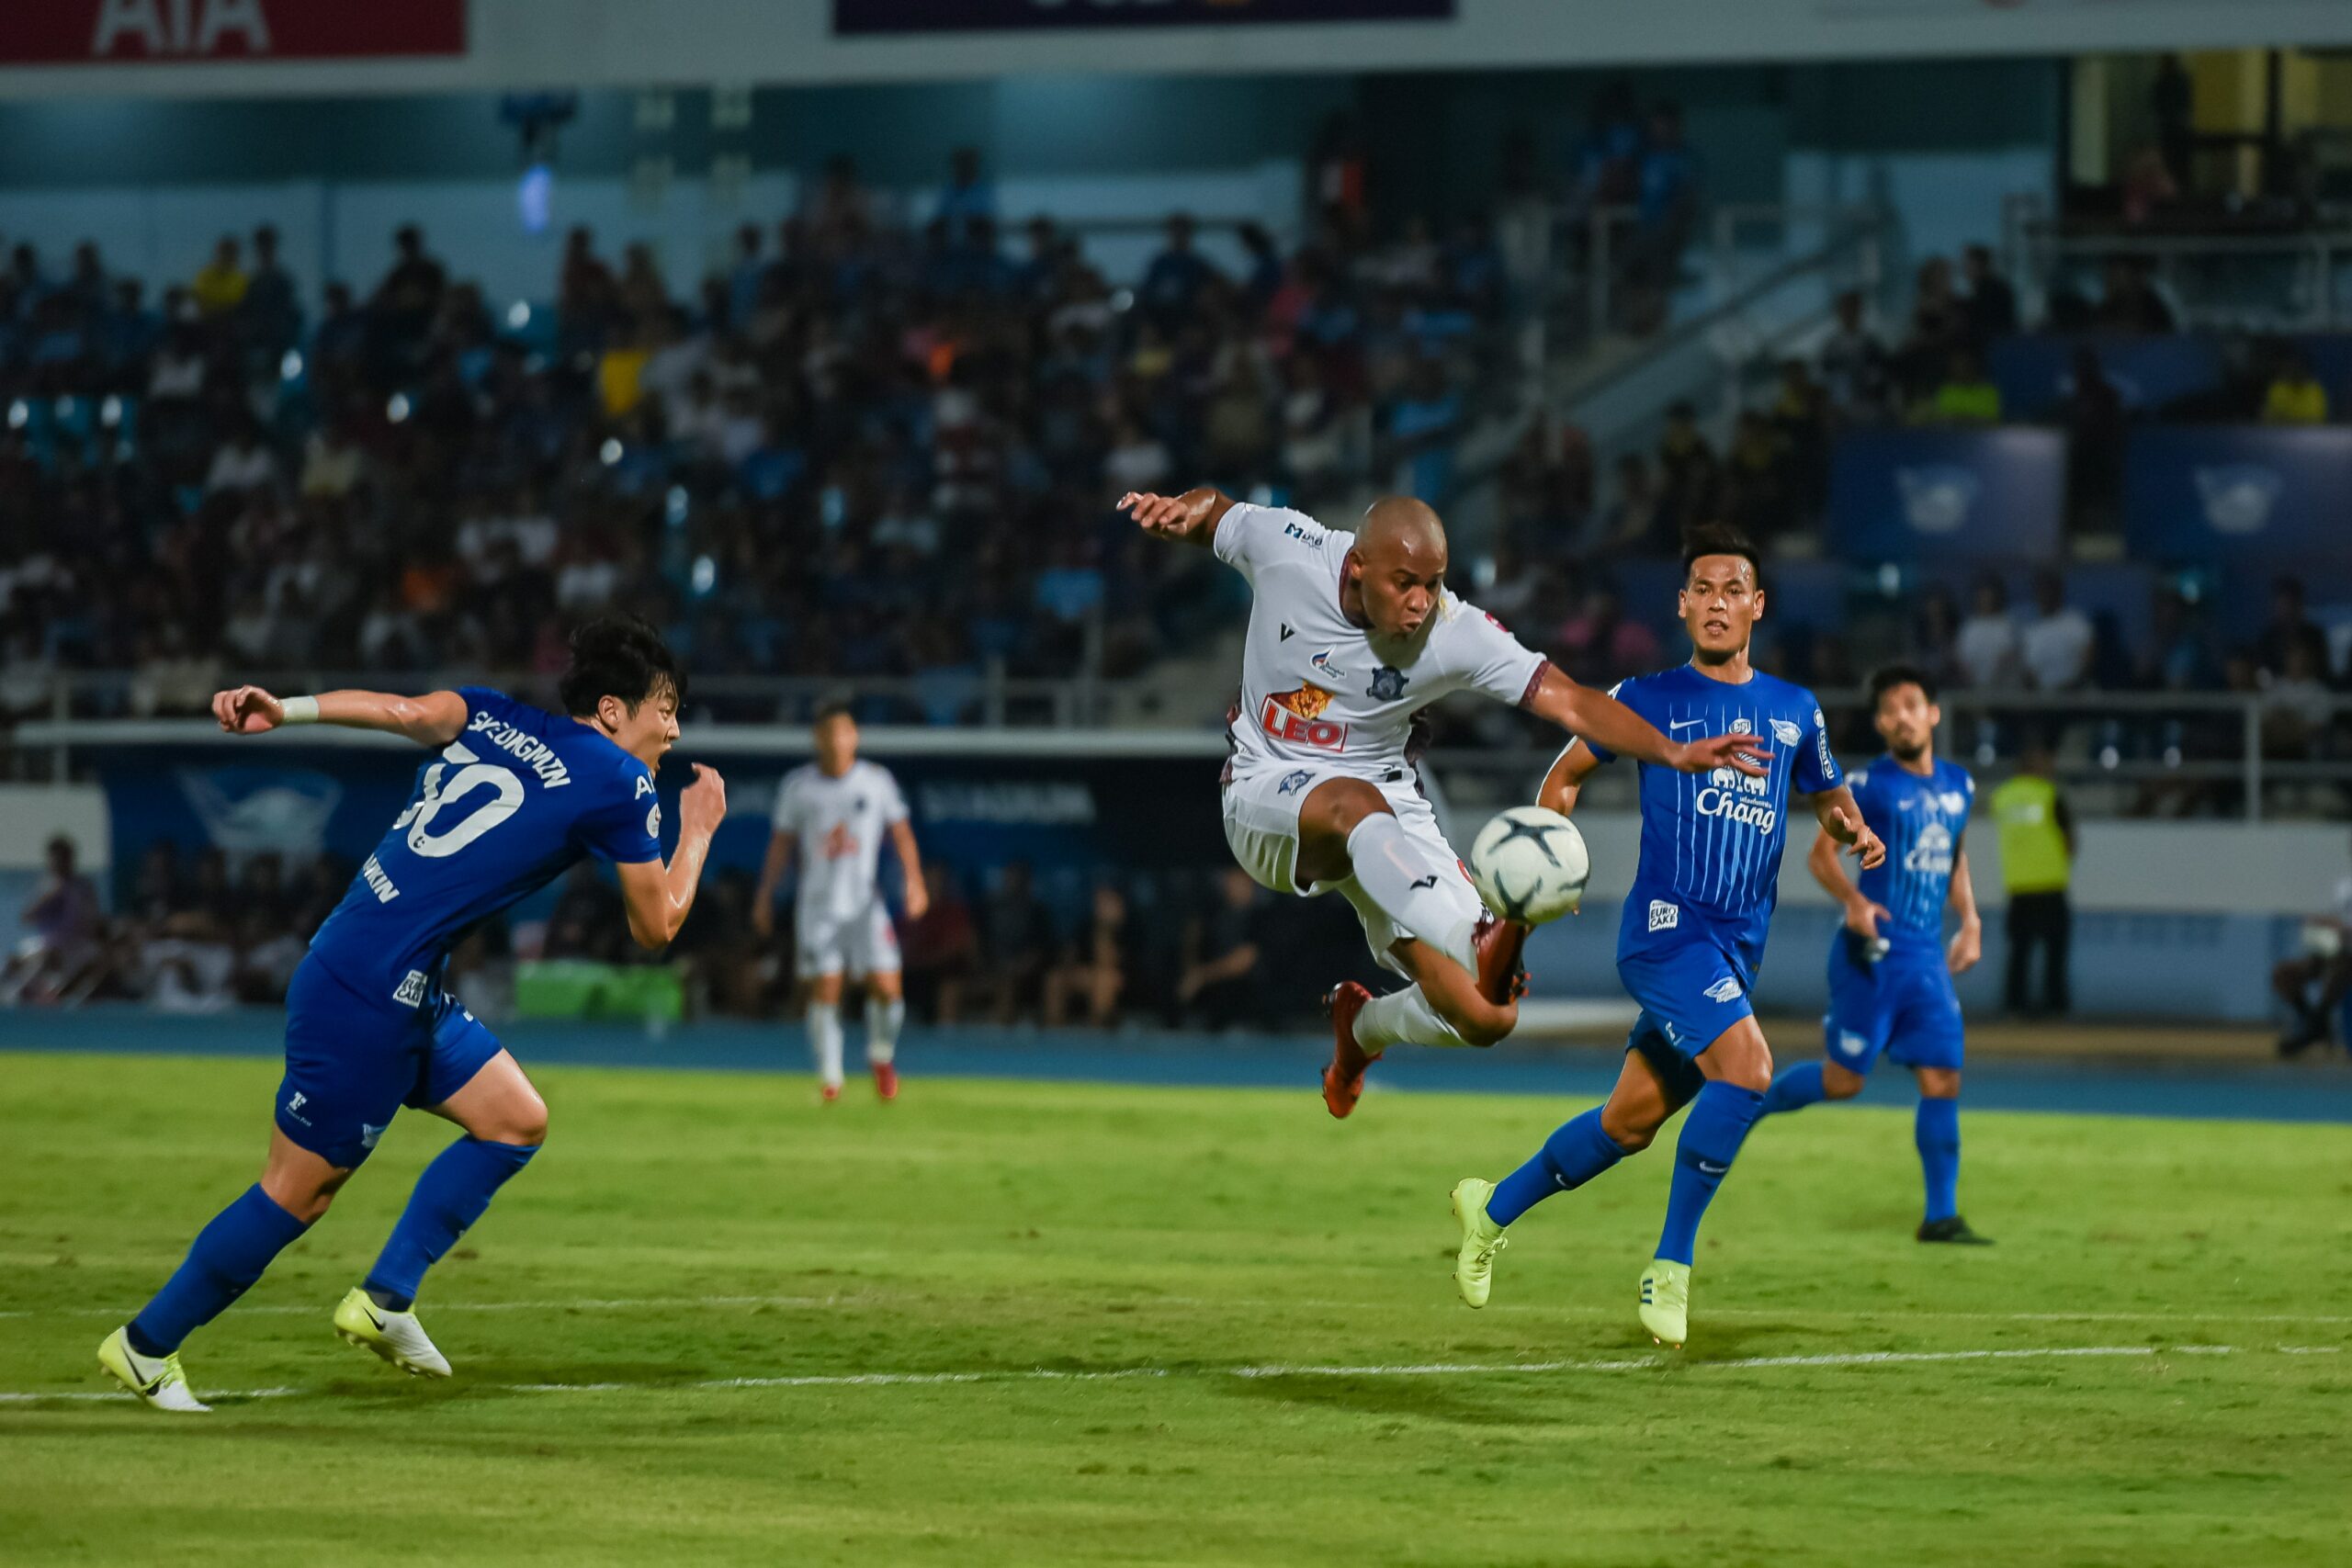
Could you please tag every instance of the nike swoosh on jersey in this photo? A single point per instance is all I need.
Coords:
(1685, 723)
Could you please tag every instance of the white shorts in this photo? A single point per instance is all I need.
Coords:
(1262, 829)
(861, 944)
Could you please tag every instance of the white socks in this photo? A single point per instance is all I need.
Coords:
(882, 1021)
(1410, 884)
(1402, 1018)
(825, 1041)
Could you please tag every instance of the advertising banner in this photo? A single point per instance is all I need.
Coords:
(108, 32)
(2214, 494)
(1935, 496)
(2036, 374)
(856, 17)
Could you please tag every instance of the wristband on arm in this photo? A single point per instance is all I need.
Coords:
(299, 710)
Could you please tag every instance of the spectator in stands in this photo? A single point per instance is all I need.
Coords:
(2296, 396)
(2037, 841)
(2095, 428)
(1938, 326)
(942, 949)
(1760, 480)
(2055, 647)
(1987, 647)
(1854, 363)
(1688, 473)
(2297, 708)
(1991, 310)
(1934, 636)
(402, 307)
(2172, 101)
(1092, 973)
(1600, 646)
(1224, 985)
(2129, 303)
(1966, 395)
(2290, 628)
(1667, 207)
(273, 316)
(1016, 943)
(2325, 966)
(59, 962)
(1423, 426)
(218, 285)
(1800, 415)
(1635, 521)
(2149, 187)
(1174, 282)
(967, 198)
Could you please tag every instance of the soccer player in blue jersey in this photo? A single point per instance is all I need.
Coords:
(1693, 935)
(1889, 970)
(515, 798)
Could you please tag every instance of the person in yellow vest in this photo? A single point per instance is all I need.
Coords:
(2036, 836)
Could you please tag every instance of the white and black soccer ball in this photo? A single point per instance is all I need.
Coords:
(1529, 864)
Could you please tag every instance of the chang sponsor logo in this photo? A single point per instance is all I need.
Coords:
(1932, 853)
(1737, 797)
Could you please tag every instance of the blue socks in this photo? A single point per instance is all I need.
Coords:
(222, 1263)
(451, 1194)
(1712, 1133)
(1571, 1157)
(1937, 1131)
(1794, 1090)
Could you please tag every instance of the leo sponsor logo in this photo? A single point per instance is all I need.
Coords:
(1297, 719)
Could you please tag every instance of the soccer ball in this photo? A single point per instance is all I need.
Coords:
(1529, 864)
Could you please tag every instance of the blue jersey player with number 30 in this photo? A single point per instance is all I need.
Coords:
(515, 798)
(1693, 935)
(1890, 969)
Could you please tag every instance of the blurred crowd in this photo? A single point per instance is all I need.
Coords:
(857, 448)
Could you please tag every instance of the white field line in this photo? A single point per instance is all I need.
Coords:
(1405, 1369)
(1436, 1301)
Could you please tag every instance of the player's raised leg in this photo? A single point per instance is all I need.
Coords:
(506, 1122)
(228, 1254)
(1577, 1151)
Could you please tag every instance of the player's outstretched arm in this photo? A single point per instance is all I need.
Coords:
(660, 896)
(1191, 517)
(1604, 721)
(433, 719)
(1842, 820)
(780, 846)
(902, 839)
(1968, 942)
(1564, 785)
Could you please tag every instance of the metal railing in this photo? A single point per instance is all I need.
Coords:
(2258, 282)
(2247, 755)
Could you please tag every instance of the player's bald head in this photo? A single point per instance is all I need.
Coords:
(1399, 528)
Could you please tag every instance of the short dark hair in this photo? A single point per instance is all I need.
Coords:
(1716, 539)
(830, 708)
(1887, 677)
(618, 656)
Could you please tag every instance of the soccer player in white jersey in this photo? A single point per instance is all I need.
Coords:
(836, 811)
(1350, 635)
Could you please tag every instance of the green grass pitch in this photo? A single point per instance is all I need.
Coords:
(2059, 1398)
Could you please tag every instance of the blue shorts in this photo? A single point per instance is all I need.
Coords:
(351, 1063)
(1902, 1005)
(1689, 993)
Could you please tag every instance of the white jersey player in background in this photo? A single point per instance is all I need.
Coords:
(836, 810)
(1350, 635)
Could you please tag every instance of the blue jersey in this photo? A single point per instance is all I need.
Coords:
(1921, 818)
(511, 804)
(1710, 865)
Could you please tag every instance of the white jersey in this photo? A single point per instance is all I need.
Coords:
(839, 824)
(1317, 689)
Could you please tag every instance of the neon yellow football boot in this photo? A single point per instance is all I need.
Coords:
(1474, 1268)
(397, 1336)
(1666, 1301)
(156, 1379)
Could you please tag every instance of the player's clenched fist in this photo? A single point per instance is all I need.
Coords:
(247, 710)
(703, 806)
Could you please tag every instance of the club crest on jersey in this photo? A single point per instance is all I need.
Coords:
(1297, 718)
(1955, 803)
(1323, 666)
(1388, 683)
(1293, 782)
(1786, 733)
